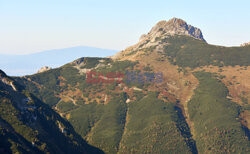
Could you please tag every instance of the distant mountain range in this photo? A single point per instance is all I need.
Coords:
(19, 65)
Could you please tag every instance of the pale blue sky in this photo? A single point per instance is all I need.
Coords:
(29, 26)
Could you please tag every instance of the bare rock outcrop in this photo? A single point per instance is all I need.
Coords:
(43, 69)
(161, 31)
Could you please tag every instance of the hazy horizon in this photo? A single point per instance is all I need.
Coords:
(19, 65)
(53, 49)
(32, 26)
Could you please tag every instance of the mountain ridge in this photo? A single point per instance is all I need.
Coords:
(200, 106)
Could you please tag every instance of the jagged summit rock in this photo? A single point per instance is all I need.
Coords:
(174, 26)
(43, 69)
(156, 37)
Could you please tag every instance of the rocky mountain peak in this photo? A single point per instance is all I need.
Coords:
(174, 26)
(157, 37)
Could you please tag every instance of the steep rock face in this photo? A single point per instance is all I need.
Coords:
(157, 36)
(174, 26)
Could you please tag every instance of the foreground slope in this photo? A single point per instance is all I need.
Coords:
(27, 125)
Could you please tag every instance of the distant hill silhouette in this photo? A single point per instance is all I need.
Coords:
(18, 65)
